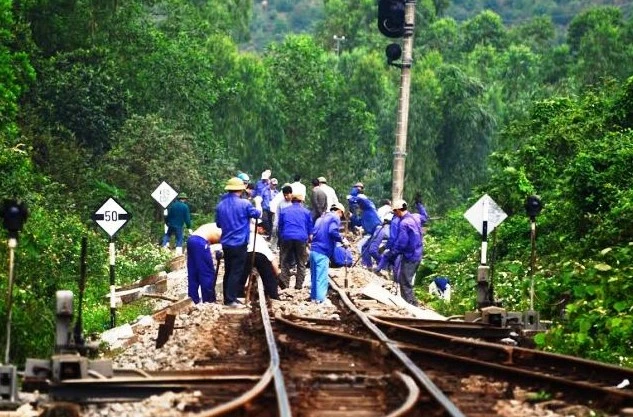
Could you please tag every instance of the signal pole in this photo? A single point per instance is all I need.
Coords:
(400, 150)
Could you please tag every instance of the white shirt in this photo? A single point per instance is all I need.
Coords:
(261, 246)
(274, 203)
(382, 210)
(330, 194)
(298, 188)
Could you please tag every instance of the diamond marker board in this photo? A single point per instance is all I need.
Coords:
(111, 216)
(475, 214)
(164, 194)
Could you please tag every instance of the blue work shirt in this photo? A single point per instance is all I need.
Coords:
(178, 215)
(260, 186)
(393, 232)
(233, 215)
(326, 233)
(424, 216)
(369, 219)
(408, 243)
(295, 223)
(266, 198)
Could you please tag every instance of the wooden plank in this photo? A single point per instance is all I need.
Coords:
(172, 309)
(380, 294)
(152, 279)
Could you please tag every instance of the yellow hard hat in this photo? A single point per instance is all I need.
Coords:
(234, 184)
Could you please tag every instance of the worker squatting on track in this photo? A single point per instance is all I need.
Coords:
(392, 238)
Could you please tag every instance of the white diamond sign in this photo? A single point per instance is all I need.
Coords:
(485, 209)
(111, 216)
(164, 194)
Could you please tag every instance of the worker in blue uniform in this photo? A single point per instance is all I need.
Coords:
(201, 273)
(378, 241)
(324, 237)
(295, 227)
(408, 246)
(178, 215)
(232, 215)
(369, 220)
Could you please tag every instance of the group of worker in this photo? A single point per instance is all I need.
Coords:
(392, 238)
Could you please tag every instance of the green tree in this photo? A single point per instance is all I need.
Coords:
(466, 130)
(484, 29)
(80, 92)
(305, 81)
(147, 151)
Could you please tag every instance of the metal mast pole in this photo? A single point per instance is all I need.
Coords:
(400, 151)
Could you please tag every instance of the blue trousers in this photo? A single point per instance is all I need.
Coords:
(178, 231)
(319, 267)
(200, 270)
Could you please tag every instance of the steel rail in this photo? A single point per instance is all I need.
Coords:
(134, 388)
(453, 328)
(412, 397)
(544, 367)
(612, 397)
(510, 355)
(393, 346)
(272, 373)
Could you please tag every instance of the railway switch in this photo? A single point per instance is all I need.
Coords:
(531, 320)
(8, 383)
(495, 316)
(69, 366)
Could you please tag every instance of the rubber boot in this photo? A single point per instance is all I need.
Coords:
(178, 250)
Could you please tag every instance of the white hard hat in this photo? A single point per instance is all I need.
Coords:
(399, 205)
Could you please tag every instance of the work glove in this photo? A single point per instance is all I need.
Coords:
(190, 231)
(219, 255)
(345, 242)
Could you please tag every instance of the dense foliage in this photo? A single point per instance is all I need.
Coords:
(108, 98)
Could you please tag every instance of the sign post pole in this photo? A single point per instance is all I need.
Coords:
(112, 286)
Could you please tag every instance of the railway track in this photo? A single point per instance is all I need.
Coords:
(360, 365)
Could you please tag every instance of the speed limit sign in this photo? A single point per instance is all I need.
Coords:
(111, 216)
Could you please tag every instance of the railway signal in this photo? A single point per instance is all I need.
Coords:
(396, 19)
(14, 216)
(391, 18)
